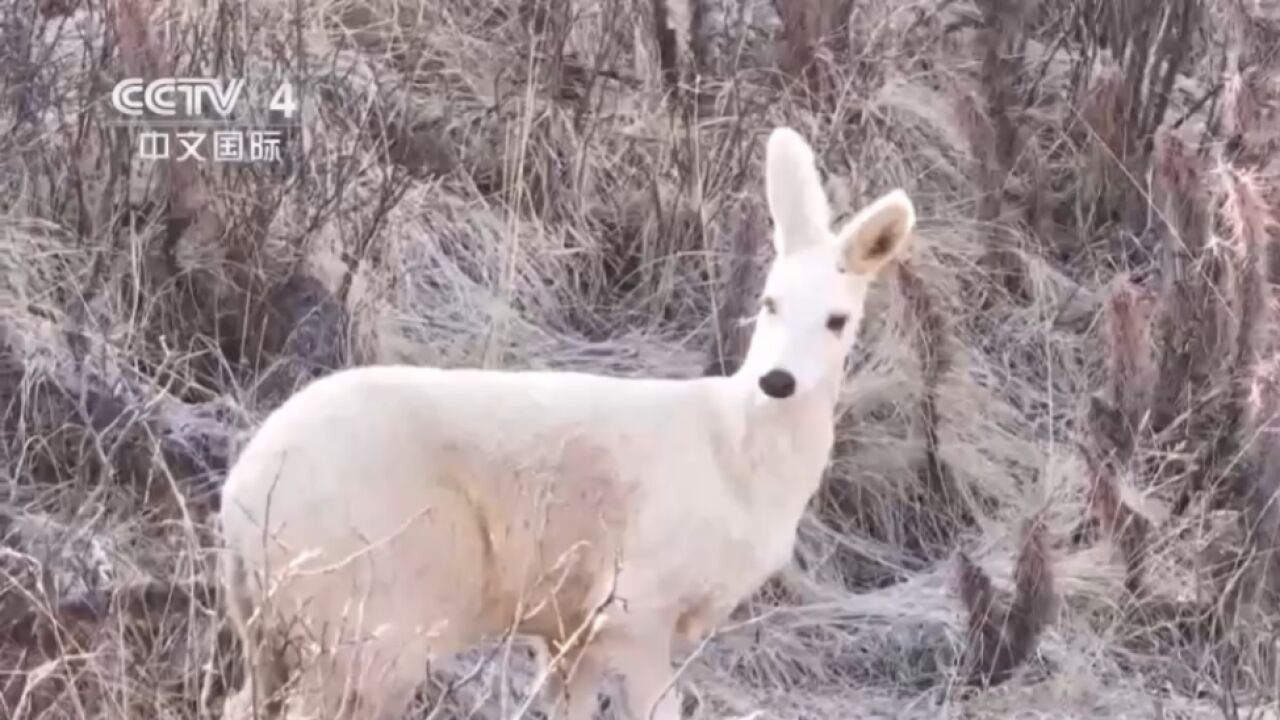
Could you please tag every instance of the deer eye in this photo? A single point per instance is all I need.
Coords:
(836, 323)
(770, 305)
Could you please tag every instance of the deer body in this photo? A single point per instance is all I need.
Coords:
(403, 514)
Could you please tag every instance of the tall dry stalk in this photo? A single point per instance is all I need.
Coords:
(993, 130)
(1195, 319)
(1261, 516)
(734, 310)
(671, 32)
(1246, 224)
(1251, 101)
(1212, 306)
(1129, 531)
(1121, 413)
(1004, 631)
(933, 345)
(813, 43)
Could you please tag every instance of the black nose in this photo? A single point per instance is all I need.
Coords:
(778, 384)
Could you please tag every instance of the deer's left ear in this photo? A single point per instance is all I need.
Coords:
(877, 234)
(797, 202)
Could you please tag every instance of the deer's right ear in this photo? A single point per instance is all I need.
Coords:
(797, 203)
(877, 234)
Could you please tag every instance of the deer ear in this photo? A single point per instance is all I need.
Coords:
(877, 234)
(797, 202)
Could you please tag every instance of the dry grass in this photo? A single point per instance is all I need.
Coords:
(1068, 391)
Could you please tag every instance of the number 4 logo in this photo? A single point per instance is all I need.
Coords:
(283, 100)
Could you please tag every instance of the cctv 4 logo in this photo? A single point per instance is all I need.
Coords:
(167, 97)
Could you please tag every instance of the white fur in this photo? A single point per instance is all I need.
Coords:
(418, 511)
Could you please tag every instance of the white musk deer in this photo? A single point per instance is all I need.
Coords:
(394, 515)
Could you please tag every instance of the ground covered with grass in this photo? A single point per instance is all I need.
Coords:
(1052, 492)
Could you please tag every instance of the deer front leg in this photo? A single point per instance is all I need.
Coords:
(572, 690)
(644, 660)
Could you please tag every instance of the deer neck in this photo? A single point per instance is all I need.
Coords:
(781, 446)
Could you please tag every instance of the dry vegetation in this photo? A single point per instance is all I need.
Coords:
(1053, 488)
